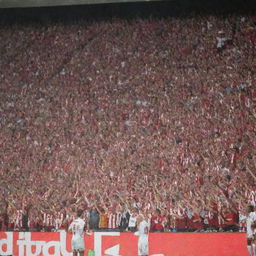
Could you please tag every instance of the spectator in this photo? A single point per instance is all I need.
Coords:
(231, 219)
(157, 222)
(93, 218)
(124, 219)
(103, 223)
(180, 220)
(132, 225)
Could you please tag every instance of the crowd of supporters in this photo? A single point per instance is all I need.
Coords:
(125, 220)
(127, 116)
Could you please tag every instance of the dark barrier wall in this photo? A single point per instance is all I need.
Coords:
(125, 244)
(38, 3)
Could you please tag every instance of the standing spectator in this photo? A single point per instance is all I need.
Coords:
(103, 222)
(48, 221)
(180, 220)
(4, 218)
(214, 220)
(157, 222)
(59, 220)
(190, 220)
(25, 217)
(204, 214)
(112, 218)
(197, 222)
(18, 220)
(231, 220)
(132, 225)
(39, 221)
(123, 218)
(32, 221)
(94, 218)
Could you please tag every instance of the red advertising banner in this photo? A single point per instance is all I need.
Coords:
(124, 244)
(198, 244)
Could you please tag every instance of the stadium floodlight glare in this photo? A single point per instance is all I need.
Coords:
(41, 3)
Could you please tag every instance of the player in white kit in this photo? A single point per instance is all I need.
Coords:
(251, 230)
(77, 229)
(143, 229)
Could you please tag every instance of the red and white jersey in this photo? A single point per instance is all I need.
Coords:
(31, 222)
(137, 205)
(3, 228)
(181, 211)
(118, 218)
(70, 218)
(149, 195)
(112, 220)
(48, 220)
(18, 219)
(59, 217)
(251, 197)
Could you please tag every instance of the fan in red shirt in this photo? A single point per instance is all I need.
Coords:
(157, 221)
(4, 218)
(231, 220)
(197, 222)
(181, 221)
(194, 222)
(214, 218)
(39, 222)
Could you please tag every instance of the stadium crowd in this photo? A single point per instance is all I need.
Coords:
(122, 117)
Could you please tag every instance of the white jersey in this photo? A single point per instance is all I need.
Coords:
(143, 228)
(221, 41)
(143, 238)
(77, 228)
(249, 221)
(132, 222)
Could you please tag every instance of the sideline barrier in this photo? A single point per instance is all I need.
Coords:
(124, 244)
(40, 3)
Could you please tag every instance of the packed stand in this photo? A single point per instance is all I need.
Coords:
(121, 117)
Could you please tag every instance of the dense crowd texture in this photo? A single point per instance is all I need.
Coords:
(121, 117)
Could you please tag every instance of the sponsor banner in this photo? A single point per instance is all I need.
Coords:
(59, 243)
(124, 244)
(198, 244)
